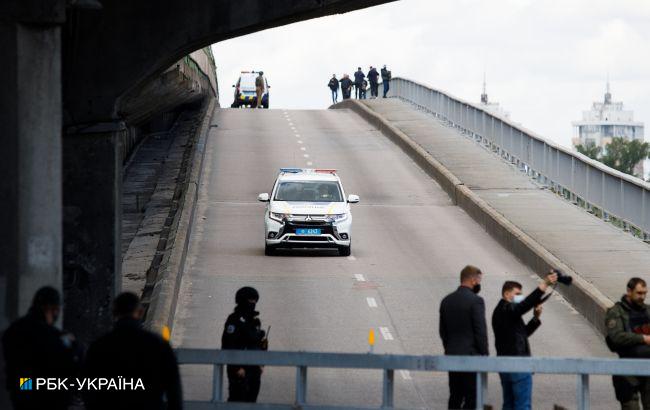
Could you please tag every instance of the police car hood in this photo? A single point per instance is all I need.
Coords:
(309, 208)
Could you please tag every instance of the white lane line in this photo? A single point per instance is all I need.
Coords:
(386, 333)
(303, 149)
(359, 277)
(297, 135)
(406, 375)
(351, 258)
(310, 163)
(306, 155)
(371, 302)
(299, 141)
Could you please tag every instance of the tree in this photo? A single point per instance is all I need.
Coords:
(623, 154)
(590, 150)
(620, 154)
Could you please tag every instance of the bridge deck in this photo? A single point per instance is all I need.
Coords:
(601, 253)
(409, 244)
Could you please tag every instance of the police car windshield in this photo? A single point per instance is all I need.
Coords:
(247, 81)
(309, 191)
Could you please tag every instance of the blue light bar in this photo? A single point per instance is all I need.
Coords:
(291, 170)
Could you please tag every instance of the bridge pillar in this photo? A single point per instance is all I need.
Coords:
(30, 143)
(92, 181)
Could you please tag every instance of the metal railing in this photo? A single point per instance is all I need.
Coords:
(481, 365)
(610, 194)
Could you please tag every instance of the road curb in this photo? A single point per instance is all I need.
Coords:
(584, 296)
(164, 297)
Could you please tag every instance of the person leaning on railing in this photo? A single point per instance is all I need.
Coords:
(628, 335)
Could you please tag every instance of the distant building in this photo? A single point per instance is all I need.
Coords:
(605, 121)
(492, 107)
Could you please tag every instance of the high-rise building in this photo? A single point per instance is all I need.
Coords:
(605, 121)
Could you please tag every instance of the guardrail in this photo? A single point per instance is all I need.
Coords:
(481, 365)
(606, 192)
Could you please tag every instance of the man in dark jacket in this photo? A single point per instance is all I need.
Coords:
(243, 331)
(358, 82)
(130, 354)
(628, 334)
(511, 337)
(386, 76)
(373, 77)
(346, 87)
(464, 332)
(334, 86)
(35, 348)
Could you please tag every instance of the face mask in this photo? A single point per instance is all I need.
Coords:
(518, 299)
(476, 288)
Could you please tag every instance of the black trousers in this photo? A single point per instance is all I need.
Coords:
(244, 389)
(462, 390)
(374, 89)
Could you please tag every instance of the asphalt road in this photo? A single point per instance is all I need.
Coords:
(409, 244)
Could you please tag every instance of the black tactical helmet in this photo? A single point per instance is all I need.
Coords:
(245, 294)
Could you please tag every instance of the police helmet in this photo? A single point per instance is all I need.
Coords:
(245, 294)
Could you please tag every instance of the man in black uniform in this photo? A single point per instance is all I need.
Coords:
(242, 331)
(34, 347)
(129, 353)
(464, 332)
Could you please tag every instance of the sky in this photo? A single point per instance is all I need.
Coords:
(545, 61)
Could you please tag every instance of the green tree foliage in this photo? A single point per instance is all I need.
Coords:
(590, 150)
(621, 154)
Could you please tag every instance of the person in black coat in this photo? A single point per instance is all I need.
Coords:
(386, 76)
(243, 331)
(139, 357)
(463, 331)
(511, 337)
(358, 82)
(334, 86)
(346, 87)
(35, 348)
(373, 78)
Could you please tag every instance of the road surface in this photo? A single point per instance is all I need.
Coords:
(409, 244)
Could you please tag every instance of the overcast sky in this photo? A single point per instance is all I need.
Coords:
(546, 60)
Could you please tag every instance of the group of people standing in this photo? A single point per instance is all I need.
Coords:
(360, 84)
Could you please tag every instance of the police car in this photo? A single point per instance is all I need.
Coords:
(245, 95)
(308, 209)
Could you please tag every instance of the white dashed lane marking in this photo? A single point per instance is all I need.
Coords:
(359, 277)
(385, 333)
(303, 149)
(310, 163)
(299, 142)
(406, 375)
(371, 302)
(351, 258)
(306, 155)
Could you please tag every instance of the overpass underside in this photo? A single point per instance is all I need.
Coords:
(81, 81)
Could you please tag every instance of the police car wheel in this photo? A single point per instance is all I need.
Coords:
(345, 250)
(269, 250)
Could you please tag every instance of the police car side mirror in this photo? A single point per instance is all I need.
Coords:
(263, 197)
(353, 199)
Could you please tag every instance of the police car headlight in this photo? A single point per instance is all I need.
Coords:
(338, 217)
(278, 216)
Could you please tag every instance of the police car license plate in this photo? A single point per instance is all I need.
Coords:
(307, 231)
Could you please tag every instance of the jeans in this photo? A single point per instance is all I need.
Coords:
(335, 96)
(517, 390)
(386, 87)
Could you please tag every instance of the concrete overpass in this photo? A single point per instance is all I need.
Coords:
(77, 82)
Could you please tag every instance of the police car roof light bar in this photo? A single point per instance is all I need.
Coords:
(291, 170)
(326, 171)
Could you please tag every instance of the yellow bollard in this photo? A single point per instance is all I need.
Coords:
(166, 333)
(371, 339)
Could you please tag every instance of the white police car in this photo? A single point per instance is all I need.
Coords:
(308, 209)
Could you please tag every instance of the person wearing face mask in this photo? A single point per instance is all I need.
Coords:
(463, 331)
(34, 347)
(511, 335)
(243, 331)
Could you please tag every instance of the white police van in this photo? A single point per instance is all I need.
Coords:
(308, 209)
